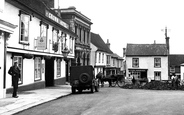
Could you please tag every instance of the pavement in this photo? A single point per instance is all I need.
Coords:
(31, 98)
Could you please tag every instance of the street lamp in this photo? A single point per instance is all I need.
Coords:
(65, 53)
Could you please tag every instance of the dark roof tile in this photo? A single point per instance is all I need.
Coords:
(99, 43)
(146, 50)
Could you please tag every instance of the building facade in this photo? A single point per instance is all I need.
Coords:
(6, 29)
(147, 61)
(37, 44)
(81, 25)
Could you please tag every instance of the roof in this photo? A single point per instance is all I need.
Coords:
(176, 60)
(99, 43)
(116, 56)
(146, 50)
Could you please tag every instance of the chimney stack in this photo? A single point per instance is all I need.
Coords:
(167, 41)
(124, 52)
(108, 44)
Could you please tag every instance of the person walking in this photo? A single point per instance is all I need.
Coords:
(14, 71)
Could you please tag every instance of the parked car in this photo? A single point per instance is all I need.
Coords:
(82, 78)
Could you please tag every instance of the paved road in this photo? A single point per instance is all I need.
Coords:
(115, 101)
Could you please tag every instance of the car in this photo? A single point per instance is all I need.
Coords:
(83, 78)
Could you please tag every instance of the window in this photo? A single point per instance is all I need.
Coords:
(135, 62)
(113, 62)
(38, 66)
(108, 60)
(55, 40)
(135, 74)
(172, 69)
(62, 41)
(24, 28)
(103, 58)
(99, 57)
(18, 59)
(157, 75)
(157, 62)
(43, 34)
(58, 67)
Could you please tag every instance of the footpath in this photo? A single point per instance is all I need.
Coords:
(31, 98)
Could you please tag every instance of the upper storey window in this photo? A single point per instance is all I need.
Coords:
(24, 28)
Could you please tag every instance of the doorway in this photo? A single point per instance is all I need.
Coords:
(49, 72)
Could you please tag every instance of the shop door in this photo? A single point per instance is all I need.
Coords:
(49, 72)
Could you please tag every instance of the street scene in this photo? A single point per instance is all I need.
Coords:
(114, 101)
(73, 57)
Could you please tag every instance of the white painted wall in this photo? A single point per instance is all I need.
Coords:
(11, 13)
(1, 66)
(182, 71)
(148, 63)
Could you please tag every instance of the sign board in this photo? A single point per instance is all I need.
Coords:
(41, 43)
(56, 19)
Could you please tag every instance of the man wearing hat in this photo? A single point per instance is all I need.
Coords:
(14, 71)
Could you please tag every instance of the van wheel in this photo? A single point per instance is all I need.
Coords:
(73, 90)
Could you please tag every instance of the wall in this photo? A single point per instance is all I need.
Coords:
(1, 66)
(34, 32)
(148, 63)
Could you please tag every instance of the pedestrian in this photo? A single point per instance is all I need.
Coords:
(100, 77)
(14, 71)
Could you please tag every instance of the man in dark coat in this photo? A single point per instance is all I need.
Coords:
(14, 71)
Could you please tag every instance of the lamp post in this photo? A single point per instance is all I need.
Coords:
(65, 53)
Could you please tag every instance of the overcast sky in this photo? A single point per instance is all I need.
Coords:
(134, 21)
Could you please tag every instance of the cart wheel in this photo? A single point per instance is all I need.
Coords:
(121, 83)
(113, 83)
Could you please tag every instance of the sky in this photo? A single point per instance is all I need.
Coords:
(134, 21)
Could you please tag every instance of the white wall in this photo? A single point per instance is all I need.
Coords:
(182, 72)
(1, 66)
(148, 63)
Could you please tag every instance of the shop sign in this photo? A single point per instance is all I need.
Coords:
(41, 43)
(1, 6)
(138, 70)
(56, 19)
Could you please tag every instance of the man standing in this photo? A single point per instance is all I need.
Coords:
(14, 71)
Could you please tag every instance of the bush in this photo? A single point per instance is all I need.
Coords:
(154, 85)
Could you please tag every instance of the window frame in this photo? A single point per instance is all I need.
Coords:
(157, 62)
(55, 41)
(99, 60)
(58, 66)
(135, 64)
(46, 34)
(36, 63)
(157, 72)
(27, 22)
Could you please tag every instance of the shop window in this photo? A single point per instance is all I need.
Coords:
(135, 74)
(157, 62)
(135, 62)
(19, 61)
(157, 75)
(24, 28)
(58, 67)
(38, 66)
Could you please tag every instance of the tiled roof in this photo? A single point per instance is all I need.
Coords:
(116, 56)
(99, 43)
(176, 60)
(146, 50)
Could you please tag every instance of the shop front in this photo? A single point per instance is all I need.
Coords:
(139, 75)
